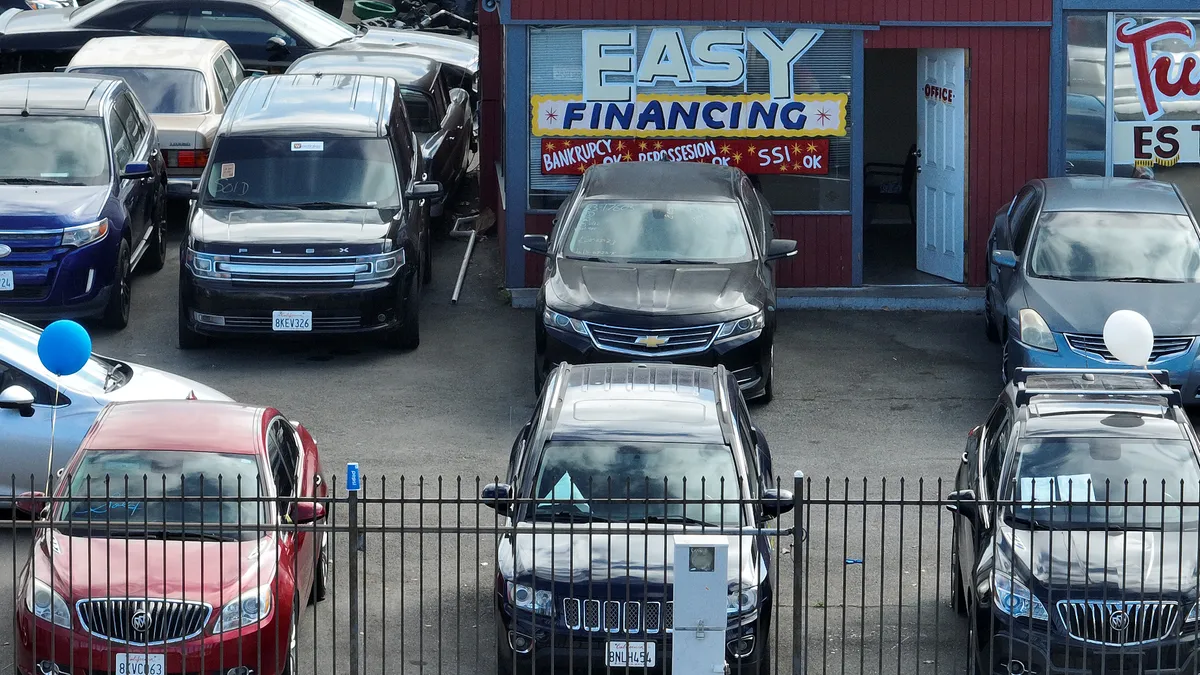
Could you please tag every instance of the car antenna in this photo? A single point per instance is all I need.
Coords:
(25, 108)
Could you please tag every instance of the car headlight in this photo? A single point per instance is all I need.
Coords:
(1014, 599)
(1035, 332)
(743, 598)
(252, 607)
(382, 266)
(1194, 614)
(82, 235)
(47, 605)
(749, 324)
(524, 597)
(204, 265)
(564, 322)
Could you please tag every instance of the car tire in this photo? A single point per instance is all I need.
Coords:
(156, 251)
(116, 312)
(989, 326)
(958, 601)
(768, 392)
(408, 335)
(186, 337)
(504, 656)
(320, 587)
(289, 663)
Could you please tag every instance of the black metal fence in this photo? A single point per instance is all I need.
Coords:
(456, 576)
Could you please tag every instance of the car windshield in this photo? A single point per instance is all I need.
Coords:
(22, 337)
(1104, 246)
(162, 91)
(53, 150)
(314, 25)
(1094, 483)
(304, 171)
(164, 494)
(579, 478)
(659, 231)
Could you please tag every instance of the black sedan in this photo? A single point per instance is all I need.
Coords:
(440, 115)
(265, 34)
(658, 261)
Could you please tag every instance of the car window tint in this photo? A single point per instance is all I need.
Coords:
(1021, 221)
(441, 94)
(1105, 246)
(749, 441)
(164, 23)
(754, 208)
(616, 230)
(225, 79)
(236, 70)
(421, 113)
(70, 150)
(283, 466)
(135, 124)
(995, 440)
(122, 150)
(234, 26)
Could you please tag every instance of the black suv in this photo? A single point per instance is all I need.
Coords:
(1076, 549)
(624, 457)
(312, 215)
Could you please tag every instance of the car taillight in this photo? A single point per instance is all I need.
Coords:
(187, 159)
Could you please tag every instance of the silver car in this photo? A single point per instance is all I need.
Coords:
(27, 397)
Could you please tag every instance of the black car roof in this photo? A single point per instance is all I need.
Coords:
(55, 93)
(684, 181)
(346, 105)
(413, 72)
(651, 402)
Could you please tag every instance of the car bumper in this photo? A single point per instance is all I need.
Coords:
(1182, 367)
(57, 283)
(748, 356)
(262, 650)
(227, 310)
(1037, 653)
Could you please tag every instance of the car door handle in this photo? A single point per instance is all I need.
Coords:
(964, 458)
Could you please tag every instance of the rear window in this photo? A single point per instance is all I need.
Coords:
(162, 91)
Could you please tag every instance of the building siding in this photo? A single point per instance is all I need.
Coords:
(789, 11)
(491, 115)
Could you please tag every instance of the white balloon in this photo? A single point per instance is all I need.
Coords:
(1129, 337)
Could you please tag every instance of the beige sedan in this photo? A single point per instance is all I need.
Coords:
(184, 83)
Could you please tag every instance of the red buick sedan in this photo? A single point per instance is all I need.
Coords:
(182, 543)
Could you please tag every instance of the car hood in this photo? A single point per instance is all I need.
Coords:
(186, 131)
(148, 384)
(455, 51)
(1135, 562)
(38, 21)
(50, 206)
(1084, 306)
(210, 571)
(250, 226)
(654, 289)
(620, 556)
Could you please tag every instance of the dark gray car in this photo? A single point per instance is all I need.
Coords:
(1068, 252)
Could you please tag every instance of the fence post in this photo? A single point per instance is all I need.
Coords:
(353, 485)
(799, 540)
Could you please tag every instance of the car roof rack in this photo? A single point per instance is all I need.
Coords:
(1160, 378)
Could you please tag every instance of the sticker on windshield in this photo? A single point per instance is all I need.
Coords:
(227, 170)
(1046, 489)
(308, 146)
(55, 175)
(565, 491)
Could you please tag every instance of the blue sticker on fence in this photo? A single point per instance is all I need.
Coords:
(353, 480)
(854, 561)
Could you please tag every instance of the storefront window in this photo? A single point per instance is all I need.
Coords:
(1086, 82)
(730, 95)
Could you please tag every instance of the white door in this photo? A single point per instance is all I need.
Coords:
(941, 161)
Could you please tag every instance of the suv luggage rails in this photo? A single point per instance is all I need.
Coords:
(1160, 378)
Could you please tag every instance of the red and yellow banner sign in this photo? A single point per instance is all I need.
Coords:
(572, 156)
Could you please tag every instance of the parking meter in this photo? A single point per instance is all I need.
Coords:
(701, 570)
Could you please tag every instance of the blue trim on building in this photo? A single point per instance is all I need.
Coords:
(516, 151)
(1130, 5)
(505, 11)
(507, 18)
(966, 24)
(1056, 146)
(857, 84)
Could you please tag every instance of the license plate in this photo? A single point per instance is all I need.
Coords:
(291, 321)
(6, 280)
(631, 654)
(141, 664)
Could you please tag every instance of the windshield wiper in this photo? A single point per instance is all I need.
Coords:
(671, 261)
(686, 520)
(1030, 521)
(568, 512)
(15, 180)
(1141, 280)
(179, 534)
(111, 377)
(587, 258)
(236, 202)
(1055, 277)
(335, 205)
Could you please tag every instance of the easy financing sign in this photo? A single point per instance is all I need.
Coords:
(1160, 78)
(612, 107)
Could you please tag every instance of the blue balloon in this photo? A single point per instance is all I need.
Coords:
(64, 347)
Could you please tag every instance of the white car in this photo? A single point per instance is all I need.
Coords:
(27, 397)
(184, 83)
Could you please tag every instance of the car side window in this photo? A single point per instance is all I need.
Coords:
(422, 113)
(281, 450)
(236, 70)
(1021, 221)
(122, 149)
(11, 376)
(441, 95)
(234, 26)
(754, 208)
(225, 78)
(134, 124)
(995, 440)
(164, 23)
(749, 441)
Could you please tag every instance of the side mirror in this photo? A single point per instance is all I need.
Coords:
(775, 503)
(249, 72)
(135, 170)
(1005, 259)
(459, 96)
(32, 504)
(497, 496)
(425, 190)
(194, 193)
(536, 243)
(277, 43)
(307, 512)
(17, 398)
(781, 248)
(60, 69)
(963, 503)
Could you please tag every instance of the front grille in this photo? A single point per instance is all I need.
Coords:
(319, 323)
(612, 616)
(137, 621)
(653, 342)
(1163, 346)
(1118, 623)
(33, 261)
(287, 270)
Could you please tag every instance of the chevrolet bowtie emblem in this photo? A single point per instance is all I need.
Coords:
(651, 341)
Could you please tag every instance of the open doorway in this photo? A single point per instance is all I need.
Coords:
(914, 181)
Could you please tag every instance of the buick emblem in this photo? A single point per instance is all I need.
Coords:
(4, 251)
(140, 621)
(1119, 620)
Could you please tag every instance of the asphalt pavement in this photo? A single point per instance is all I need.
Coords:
(859, 396)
